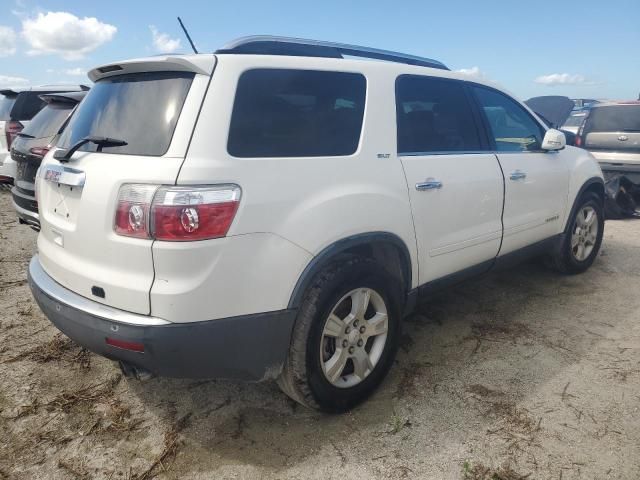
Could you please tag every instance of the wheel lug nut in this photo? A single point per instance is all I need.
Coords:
(351, 349)
(362, 329)
(347, 330)
(360, 342)
(355, 323)
(344, 344)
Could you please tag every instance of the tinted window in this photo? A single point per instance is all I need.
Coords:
(48, 121)
(513, 128)
(140, 108)
(616, 118)
(27, 105)
(296, 113)
(433, 115)
(6, 102)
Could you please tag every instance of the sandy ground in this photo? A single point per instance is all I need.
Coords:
(521, 374)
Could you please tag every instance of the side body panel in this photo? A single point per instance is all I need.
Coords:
(309, 203)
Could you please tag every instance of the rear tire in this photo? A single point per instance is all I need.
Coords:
(583, 237)
(345, 336)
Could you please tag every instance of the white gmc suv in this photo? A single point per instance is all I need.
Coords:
(273, 210)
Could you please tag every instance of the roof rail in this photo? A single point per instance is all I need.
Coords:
(271, 45)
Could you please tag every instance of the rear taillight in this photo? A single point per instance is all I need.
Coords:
(39, 151)
(176, 213)
(578, 141)
(11, 129)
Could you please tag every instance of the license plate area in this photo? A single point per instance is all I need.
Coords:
(64, 175)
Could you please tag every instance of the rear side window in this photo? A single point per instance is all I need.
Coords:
(6, 103)
(140, 108)
(297, 113)
(434, 115)
(616, 118)
(49, 120)
(513, 128)
(575, 120)
(27, 105)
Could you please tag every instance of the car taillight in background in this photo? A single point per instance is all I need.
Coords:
(176, 213)
(12, 129)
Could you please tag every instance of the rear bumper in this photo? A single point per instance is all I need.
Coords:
(26, 207)
(251, 347)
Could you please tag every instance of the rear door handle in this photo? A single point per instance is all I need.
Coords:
(429, 184)
(518, 175)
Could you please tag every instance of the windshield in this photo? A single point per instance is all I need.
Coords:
(6, 103)
(48, 121)
(141, 109)
(615, 118)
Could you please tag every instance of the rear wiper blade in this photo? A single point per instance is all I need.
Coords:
(65, 155)
(24, 135)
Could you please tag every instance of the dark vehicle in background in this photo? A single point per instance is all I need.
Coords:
(17, 108)
(611, 132)
(32, 144)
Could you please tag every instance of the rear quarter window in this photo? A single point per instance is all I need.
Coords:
(297, 113)
(140, 108)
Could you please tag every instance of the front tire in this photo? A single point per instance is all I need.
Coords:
(345, 336)
(583, 238)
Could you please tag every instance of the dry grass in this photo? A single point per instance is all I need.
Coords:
(481, 472)
(59, 348)
(163, 461)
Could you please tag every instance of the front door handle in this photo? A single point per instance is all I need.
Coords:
(518, 175)
(429, 184)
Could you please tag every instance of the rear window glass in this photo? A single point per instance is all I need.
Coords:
(141, 109)
(434, 115)
(297, 113)
(6, 102)
(48, 121)
(27, 105)
(616, 118)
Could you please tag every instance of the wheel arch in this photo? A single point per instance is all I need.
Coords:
(593, 184)
(385, 247)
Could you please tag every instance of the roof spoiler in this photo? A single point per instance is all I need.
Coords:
(63, 97)
(202, 64)
(7, 92)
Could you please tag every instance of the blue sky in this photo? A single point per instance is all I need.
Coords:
(583, 48)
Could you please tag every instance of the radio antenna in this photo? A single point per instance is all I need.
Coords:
(188, 36)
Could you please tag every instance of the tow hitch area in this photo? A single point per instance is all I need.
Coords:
(622, 197)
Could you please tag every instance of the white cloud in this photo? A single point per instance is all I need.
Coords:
(555, 79)
(162, 42)
(76, 72)
(64, 34)
(7, 41)
(8, 81)
(474, 72)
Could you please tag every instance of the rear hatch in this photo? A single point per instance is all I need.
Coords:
(34, 141)
(612, 133)
(152, 105)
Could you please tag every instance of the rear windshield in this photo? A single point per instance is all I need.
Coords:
(141, 109)
(6, 102)
(27, 105)
(616, 118)
(297, 113)
(48, 121)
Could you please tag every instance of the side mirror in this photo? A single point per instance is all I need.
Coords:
(554, 140)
